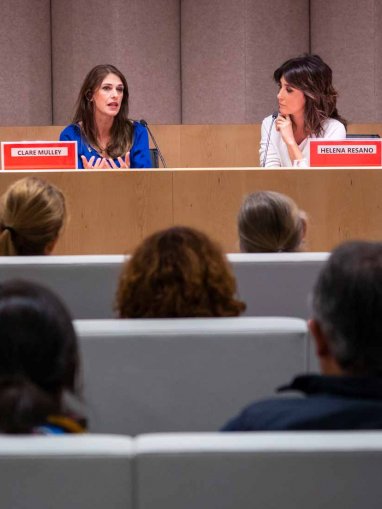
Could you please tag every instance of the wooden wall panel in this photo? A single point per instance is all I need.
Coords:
(112, 211)
(341, 204)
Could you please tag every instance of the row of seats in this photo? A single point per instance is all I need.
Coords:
(333, 470)
(143, 376)
(270, 284)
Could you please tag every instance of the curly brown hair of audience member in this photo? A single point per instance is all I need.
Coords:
(32, 214)
(270, 222)
(174, 273)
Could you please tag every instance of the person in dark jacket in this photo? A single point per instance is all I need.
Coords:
(346, 327)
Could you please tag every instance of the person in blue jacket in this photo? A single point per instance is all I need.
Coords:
(106, 138)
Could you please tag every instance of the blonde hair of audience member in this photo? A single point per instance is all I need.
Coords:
(271, 222)
(174, 273)
(32, 213)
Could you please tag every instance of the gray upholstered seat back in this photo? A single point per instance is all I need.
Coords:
(263, 470)
(61, 472)
(184, 374)
(270, 284)
(276, 284)
(86, 283)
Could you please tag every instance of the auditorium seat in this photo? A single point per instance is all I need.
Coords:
(331, 470)
(61, 472)
(270, 284)
(86, 283)
(184, 374)
(276, 283)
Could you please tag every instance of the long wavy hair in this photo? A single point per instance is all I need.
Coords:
(32, 213)
(122, 128)
(311, 75)
(178, 272)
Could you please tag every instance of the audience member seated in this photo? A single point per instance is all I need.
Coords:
(346, 328)
(32, 213)
(39, 361)
(270, 222)
(178, 272)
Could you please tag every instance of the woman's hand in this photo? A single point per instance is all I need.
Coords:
(95, 164)
(284, 125)
(123, 162)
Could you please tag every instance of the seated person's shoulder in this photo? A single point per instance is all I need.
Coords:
(334, 128)
(269, 414)
(72, 131)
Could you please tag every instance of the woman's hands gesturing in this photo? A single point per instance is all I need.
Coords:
(123, 162)
(104, 163)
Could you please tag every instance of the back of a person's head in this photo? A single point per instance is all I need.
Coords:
(39, 360)
(178, 272)
(32, 213)
(347, 304)
(270, 222)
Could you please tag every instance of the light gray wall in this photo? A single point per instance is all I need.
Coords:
(25, 54)
(190, 61)
(141, 38)
(229, 52)
(347, 35)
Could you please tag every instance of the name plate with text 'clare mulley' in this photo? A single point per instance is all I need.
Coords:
(349, 152)
(39, 155)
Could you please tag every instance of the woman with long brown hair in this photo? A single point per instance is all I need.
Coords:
(106, 138)
(307, 108)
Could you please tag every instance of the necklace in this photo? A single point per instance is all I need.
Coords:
(102, 150)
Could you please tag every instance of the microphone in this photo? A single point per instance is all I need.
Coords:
(145, 124)
(274, 116)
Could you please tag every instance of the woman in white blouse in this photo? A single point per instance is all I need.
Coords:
(306, 109)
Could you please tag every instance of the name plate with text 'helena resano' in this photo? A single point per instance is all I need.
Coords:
(39, 155)
(350, 152)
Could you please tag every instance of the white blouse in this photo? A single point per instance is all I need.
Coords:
(278, 156)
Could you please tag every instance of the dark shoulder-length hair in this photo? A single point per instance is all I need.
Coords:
(122, 128)
(39, 358)
(175, 273)
(311, 75)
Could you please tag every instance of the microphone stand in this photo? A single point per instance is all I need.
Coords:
(274, 116)
(145, 124)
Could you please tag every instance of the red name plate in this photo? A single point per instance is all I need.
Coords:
(39, 155)
(351, 152)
